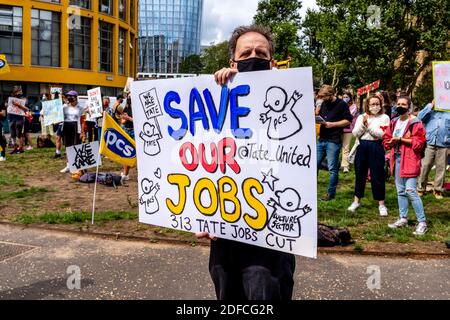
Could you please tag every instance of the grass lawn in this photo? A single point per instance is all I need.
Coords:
(33, 191)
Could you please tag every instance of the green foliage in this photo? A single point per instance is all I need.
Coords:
(74, 217)
(191, 64)
(347, 49)
(283, 17)
(215, 58)
(24, 193)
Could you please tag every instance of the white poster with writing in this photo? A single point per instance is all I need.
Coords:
(52, 110)
(83, 156)
(13, 106)
(441, 85)
(237, 161)
(95, 103)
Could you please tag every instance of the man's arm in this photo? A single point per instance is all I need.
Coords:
(424, 114)
(337, 124)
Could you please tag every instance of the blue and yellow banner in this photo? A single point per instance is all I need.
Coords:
(4, 67)
(116, 144)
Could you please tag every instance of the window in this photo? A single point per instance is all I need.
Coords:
(85, 4)
(80, 45)
(131, 60)
(122, 9)
(11, 33)
(105, 34)
(45, 38)
(105, 6)
(122, 38)
(132, 13)
(51, 1)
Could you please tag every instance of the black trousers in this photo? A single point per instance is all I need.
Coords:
(370, 155)
(244, 272)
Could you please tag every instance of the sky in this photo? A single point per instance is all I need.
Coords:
(220, 17)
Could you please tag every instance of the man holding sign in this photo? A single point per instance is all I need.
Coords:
(233, 162)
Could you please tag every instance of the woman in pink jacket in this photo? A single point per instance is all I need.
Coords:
(405, 137)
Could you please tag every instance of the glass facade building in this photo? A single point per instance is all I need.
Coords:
(169, 31)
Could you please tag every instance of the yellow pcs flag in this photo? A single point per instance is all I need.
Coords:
(116, 144)
(4, 67)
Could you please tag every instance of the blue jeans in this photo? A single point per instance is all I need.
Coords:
(406, 188)
(330, 150)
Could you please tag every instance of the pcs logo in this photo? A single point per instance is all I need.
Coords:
(118, 144)
(2, 63)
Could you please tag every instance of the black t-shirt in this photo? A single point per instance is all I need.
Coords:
(333, 112)
(128, 124)
(2, 107)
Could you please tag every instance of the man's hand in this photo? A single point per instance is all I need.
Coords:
(201, 235)
(329, 125)
(223, 75)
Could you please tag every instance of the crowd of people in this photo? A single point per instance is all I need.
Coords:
(391, 137)
(77, 127)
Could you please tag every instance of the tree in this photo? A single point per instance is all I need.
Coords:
(191, 64)
(215, 57)
(360, 41)
(283, 18)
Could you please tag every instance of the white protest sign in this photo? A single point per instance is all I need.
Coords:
(237, 161)
(83, 156)
(441, 85)
(95, 103)
(54, 90)
(52, 110)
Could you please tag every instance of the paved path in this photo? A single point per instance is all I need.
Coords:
(34, 265)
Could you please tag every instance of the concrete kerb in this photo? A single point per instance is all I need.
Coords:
(347, 250)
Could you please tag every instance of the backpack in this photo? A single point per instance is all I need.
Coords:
(104, 178)
(328, 236)
(44, 141)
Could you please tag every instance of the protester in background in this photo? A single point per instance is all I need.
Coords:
(117, 109)
(393, 99)
(405, 137)
(28, 140)
(45, 130)
(126, 122)
(347, 136)
(57, 129)
(369, 129)
(72, 126)
(337, 115)
(2, 136)
(241, 271)
(106, 108)
(90, 132)
(386, 102)
(437, 126)
(16, 117)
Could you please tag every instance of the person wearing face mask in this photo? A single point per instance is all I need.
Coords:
(242, 271)
(337, 116)
(72, 127)
(16, 117)
(347, 136)
(369, 129)
(405, 138)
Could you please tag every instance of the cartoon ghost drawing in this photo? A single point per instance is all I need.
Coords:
(150, 134)
(149, 197)
(285, 219)
(283, 122)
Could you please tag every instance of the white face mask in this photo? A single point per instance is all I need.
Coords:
(374, 110)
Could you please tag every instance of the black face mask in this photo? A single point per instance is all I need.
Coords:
(401, 111)
(71, 100)
(253, 64)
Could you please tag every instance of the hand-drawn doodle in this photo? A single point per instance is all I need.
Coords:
(150, 134)
(269, 179)
(283, 122)
(285, 219)
(151, 131)
(158, 173)
(149, 197)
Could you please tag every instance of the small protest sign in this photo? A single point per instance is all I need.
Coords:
(441, 85)
(95, 103)
(83, 156)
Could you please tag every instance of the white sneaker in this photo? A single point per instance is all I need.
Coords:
(398, 224)
(65, 170)
(125, 177)
(2, 159)
(29, 148)
(383, 210)
(353, 207)
(421, 229)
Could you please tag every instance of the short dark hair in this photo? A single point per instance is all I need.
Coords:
(239, 31)
(407, 98)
